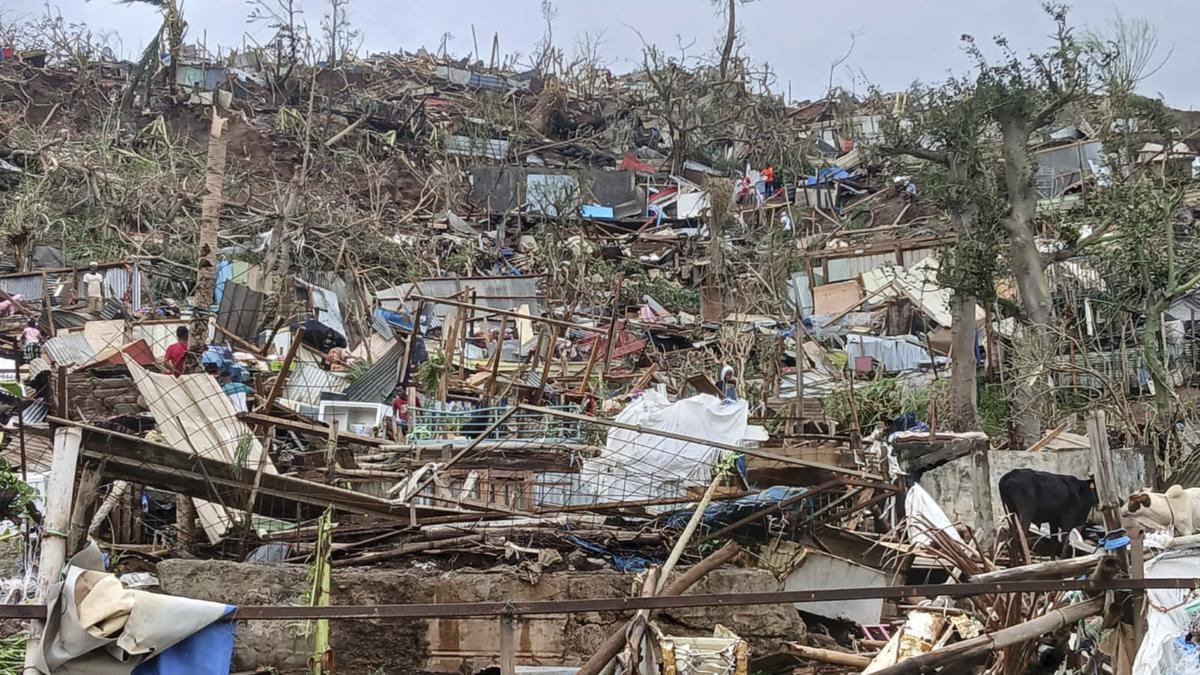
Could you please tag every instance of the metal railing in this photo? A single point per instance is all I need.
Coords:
(432, 425)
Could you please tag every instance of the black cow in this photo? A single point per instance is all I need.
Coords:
(1062, 502)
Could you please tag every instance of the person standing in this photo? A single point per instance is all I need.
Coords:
(33, 340)
(93, 287)
(177, 353)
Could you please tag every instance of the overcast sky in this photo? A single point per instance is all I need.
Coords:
(897, 41)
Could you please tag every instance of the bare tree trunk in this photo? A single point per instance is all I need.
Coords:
(210, 226)
(730, 36)
(964, 405)
(1036, 402)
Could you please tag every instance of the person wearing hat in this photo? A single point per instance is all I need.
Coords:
(93, 288)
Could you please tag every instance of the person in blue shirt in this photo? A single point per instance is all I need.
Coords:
(230, 387)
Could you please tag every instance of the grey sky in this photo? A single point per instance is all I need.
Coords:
(897, 40)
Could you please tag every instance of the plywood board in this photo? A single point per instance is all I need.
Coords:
(836, 298)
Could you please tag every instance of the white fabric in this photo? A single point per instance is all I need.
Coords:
(1157, 654)
(636, 465)
(148, 623)
(925, 515)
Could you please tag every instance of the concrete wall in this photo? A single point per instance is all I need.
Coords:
(950, 484)
(459, 646)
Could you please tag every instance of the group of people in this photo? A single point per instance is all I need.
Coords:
(769, 182)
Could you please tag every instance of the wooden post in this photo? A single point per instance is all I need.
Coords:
(1137, 570)
(491, 387)
(408, 347)
(1106, 487)
(612, 325)
(58, 521)
(281, 378)
(546, 363)
(331, 459)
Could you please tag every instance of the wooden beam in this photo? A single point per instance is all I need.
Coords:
(127, 457)
(277, 385)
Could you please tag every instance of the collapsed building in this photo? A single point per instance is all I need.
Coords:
(489, 391)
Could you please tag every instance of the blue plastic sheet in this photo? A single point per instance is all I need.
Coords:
(208, 652)
(826, 175)
(623, 562)
(728, 510)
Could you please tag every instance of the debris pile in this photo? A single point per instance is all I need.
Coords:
(414, 315)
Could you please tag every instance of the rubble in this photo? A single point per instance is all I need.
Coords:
(404, 345)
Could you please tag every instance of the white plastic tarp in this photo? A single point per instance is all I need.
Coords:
(1169, 612)
(924, 516)
(96, 626)
(634, 465)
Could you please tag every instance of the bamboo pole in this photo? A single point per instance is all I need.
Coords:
(829, 656)
(1067, 567)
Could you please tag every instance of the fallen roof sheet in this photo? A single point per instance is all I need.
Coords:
(380, 379)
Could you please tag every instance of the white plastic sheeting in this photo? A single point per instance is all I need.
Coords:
(636, 465)
(1169, 614)
(924, 516)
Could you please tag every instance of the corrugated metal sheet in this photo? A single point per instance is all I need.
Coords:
(325, 305)
(380, 379)
(841, 269)
(27, 285)
(493, 292)
(239, 312)
(68, 319)
(160, 334)
(112, 309)
(68, 348)
(306, 382)
(118, 281)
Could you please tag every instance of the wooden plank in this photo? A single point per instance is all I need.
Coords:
(127, 457)
(837, 297)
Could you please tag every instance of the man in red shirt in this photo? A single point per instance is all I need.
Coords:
(177, 352)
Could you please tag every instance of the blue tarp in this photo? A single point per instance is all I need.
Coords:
(224, 273)
(401, 320)
(623, 562)
(728, 510)
(596, 211)
(827, 174)
(208, 652)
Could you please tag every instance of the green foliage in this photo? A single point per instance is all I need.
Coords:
(12, 653)
(429, 373)
(994, 408)
(22, 491)
(882, 400)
